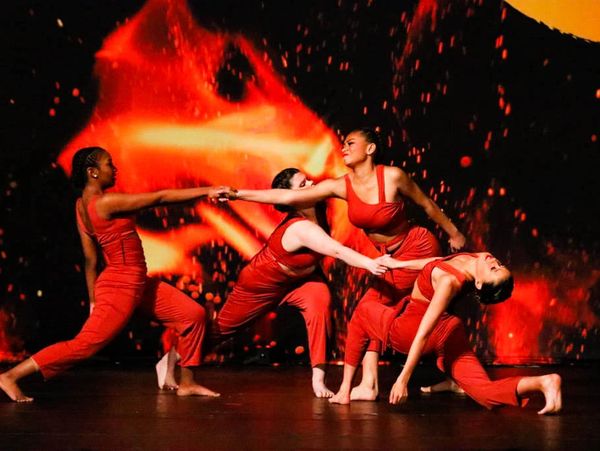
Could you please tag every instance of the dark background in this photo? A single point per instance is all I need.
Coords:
(543, 153)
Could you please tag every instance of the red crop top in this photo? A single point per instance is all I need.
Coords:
(118, 238)
(424, 277)
(374, 218)
(300, 259)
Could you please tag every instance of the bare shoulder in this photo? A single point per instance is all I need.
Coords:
(441, 278)
(395, 175)
(301, 227)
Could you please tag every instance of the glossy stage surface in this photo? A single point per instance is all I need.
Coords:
(107, 407)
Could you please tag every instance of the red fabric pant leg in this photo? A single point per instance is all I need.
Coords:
(370, 322)
(398, 283)
(253, 295)
(177, 311)
(454, 356)
(313, 299)
(113, 309)
(262, 287)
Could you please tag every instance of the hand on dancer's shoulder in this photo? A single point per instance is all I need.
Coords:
(399, 392)
(457, 241)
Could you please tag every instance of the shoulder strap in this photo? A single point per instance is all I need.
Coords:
(381, 183)
(79, 219)
(452, 270)
(349, 189)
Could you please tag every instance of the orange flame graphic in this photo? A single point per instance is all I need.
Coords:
(168, 121)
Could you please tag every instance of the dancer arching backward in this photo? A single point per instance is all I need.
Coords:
(104, 220)
(375, 196)
(284, 272)
(419, 324)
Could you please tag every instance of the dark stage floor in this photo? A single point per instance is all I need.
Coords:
(111, 408)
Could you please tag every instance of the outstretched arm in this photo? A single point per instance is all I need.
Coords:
(90, 254)
(310, 235)
(411, 190)
(114, 203)
(298, 198)
(392, 263)
(446, 289)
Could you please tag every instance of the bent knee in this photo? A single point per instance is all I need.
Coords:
(196, 314)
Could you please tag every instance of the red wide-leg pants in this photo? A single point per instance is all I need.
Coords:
(262, 287)
(374, 321)
(398, 283)
(115, 304)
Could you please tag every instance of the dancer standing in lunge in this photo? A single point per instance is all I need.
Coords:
(105, 221)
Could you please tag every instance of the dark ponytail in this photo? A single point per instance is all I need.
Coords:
(372, 137)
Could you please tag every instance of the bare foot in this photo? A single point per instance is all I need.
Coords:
(364, 393)
(321, 390)
(341, 397)
(445, 386)
(318, 383)
(165, 371)
(196, 390)
(12, 390)
(551, 388)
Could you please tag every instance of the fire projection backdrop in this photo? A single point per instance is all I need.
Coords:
(494, 114)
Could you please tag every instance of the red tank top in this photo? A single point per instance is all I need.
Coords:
(424, 278)
(120, 243)
(374, 218)
(298, 260)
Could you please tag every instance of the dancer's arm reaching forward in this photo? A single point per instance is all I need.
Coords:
(296, 198)
(114, 203)
(392, 263)
(310, 235)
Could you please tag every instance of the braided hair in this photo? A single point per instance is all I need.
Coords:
(84, 158)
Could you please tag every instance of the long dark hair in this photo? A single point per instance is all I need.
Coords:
(283, 180)
(494, 294)
(84, 158)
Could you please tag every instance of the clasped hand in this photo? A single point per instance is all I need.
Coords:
(222, 193)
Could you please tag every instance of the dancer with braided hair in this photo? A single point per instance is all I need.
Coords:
(105, 221)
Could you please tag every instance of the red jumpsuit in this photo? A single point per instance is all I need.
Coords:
(121, 288)
(273, 277)
(397, 326)
(415, 243)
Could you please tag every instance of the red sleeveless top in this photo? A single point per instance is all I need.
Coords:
(424, 277)
(374, 218)
(301, 259)
(120, 243)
